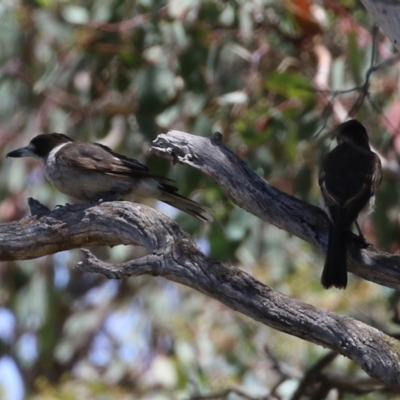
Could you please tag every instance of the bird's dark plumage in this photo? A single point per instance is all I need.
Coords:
(349, 176)
(91, 172)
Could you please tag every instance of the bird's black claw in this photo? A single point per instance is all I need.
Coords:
(61, 206)
(104, 199)
(362, 242)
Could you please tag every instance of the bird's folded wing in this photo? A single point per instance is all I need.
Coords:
(330, 200)
(98, 158)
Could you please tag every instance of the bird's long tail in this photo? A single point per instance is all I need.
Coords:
(335, 268)
(168, 194)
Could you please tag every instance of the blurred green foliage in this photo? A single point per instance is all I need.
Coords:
(120, 72)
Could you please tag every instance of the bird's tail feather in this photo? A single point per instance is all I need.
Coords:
(170, 196)
(335, 268)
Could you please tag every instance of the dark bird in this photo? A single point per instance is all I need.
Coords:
(91, 172)
(349, 177)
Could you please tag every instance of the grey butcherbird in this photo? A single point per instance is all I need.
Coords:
(349, 177)
(91, 172)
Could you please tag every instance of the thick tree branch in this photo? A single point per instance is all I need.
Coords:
(182, 262)
(249, 191)
(173, 255)
(73, 226)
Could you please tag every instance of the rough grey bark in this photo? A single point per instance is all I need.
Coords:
(249, 191)
(173, 255)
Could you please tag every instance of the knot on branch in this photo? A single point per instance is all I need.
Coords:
(176, 146)
(216, 137)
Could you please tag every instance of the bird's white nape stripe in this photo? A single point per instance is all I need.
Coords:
(52, 154)
(51, 158)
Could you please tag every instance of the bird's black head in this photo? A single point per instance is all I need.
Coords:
(40, 146)
(354, 132)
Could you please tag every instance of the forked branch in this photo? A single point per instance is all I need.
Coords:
(173, 255)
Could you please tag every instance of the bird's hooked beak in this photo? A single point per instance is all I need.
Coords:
(22, 152)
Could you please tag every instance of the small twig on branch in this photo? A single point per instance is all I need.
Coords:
(364, 89)
(283, 370)
(313, 374)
